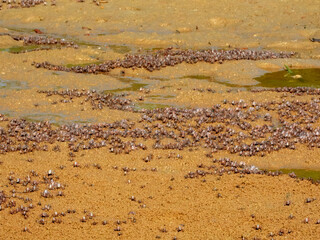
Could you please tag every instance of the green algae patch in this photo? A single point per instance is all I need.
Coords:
(303, 173)
(199, 77)
(128, 79)
(161, 96)
(84, 43)
(156, 49)
(22, 49)
(120, 49)
(133, 88)
(309, 77)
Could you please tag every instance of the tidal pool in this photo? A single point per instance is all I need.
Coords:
(309, 77)
(303, 173)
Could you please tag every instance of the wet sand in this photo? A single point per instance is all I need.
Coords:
(124, 195)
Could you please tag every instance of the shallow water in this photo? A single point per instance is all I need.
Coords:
(303, 173)
(56, 119)
(11, 84)
(199, 77)
(22, 49)
(134, 87)
(309, 77)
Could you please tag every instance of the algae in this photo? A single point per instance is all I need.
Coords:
(161, 96)
(22, 49)
(199, 77)
(134, 87)
(303, 173)
(120, 48)
(309, 77)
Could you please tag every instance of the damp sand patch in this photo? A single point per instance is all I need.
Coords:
(160, 97)
(199, 77)
(56, 119)
(122, 49)
(225, 83)
(150, 106)
(12, 84)
(70, 65)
